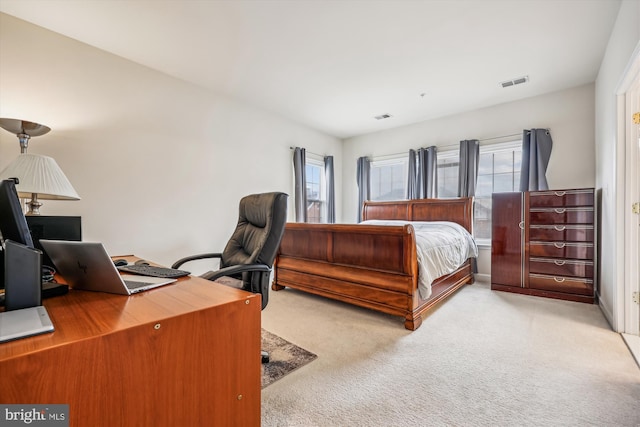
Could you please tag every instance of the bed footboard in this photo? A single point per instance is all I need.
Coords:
(370, 266)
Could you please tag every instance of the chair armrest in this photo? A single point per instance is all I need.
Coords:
(195, 257)
(235, 269)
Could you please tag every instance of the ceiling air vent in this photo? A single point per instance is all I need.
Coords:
(383, 116)
(514, 82)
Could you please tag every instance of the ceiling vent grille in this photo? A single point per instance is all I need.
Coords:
(514, 82)
(383, 116)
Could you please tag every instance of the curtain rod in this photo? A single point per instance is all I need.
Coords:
(509, 136)
(453, 146)
(310, 152)
(500, 137)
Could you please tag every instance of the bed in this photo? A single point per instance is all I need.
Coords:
(371, 265)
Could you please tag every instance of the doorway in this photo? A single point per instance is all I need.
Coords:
(629, 119)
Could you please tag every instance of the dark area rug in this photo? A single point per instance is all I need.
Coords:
(285, 358)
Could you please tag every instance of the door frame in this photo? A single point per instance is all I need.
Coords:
(630, 176)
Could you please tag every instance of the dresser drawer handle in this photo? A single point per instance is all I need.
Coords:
(559, 227)
(558, 262)
(521, 225)
(559, 245)
(559, 279)
(560, 211)
(560, 193)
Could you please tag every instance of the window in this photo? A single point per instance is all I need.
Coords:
(448, 165)
(498, 171)
(389, 179)
(316, 201)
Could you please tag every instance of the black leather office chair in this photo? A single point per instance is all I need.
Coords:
(247, 260)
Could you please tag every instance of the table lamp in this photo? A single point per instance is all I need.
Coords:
(39, 177)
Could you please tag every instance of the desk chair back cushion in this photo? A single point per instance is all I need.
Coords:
(257, 237)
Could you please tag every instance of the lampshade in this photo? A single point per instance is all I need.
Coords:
(39, 176)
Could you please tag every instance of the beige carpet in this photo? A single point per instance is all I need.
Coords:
(483, 358)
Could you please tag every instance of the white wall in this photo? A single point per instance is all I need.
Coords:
(610, 159)
(569, 114)
(160, 164)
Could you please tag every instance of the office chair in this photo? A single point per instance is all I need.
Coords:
(248, 257)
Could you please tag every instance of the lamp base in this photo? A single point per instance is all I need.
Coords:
(34, 205)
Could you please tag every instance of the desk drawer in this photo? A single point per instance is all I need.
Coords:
(561, 284)
(560, 233)
(561, 267)
(561, 250)
(583, 215)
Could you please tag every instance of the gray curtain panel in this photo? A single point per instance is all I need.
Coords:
(331, 191)
(363, 173)
(412, 181)
(428, 172)
(536, 151)
(468, 169)
(300, 196)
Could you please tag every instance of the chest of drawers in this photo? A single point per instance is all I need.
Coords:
(552, 235)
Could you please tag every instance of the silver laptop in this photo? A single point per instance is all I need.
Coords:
(87, 266)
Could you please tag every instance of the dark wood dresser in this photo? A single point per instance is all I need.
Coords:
(544, 244)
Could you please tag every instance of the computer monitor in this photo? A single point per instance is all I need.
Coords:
(13, 224)
(53, 228)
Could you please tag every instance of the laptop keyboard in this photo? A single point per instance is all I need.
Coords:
(153, 271)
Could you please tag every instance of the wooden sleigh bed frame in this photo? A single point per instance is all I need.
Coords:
(373, 266)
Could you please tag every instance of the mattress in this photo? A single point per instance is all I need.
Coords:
(441, 248)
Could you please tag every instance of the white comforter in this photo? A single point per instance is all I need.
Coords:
(441, 248)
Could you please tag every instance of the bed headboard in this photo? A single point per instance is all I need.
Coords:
(458, 210)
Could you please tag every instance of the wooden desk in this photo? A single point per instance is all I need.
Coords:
(185, 354)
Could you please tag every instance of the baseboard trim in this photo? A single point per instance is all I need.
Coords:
(633, 342)
(482, 277)
(607, 314)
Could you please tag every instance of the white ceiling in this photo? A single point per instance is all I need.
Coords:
(334, 65)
